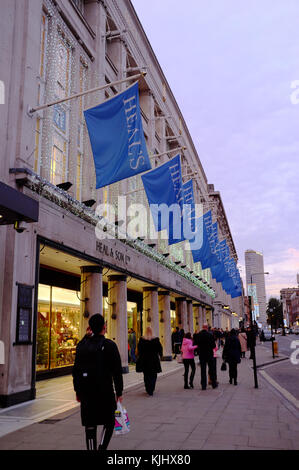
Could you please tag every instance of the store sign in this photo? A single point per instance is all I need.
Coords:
(116, 255)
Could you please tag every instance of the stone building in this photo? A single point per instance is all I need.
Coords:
(58, 264)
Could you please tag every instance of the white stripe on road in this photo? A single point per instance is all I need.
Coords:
(282, 390)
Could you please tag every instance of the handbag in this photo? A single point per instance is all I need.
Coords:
(179, 358)
(122, 422)
(223, 366)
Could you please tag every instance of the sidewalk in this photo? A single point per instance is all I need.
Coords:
(229, 417)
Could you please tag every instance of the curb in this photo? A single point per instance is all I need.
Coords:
(272, 362)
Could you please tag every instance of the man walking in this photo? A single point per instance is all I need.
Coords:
(206, 344)
(132, 344)
(97, 368)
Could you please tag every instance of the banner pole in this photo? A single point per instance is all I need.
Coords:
(77, 95)
(167, 151)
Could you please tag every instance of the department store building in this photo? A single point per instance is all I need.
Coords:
(58, 264)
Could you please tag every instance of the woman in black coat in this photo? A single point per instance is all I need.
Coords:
(149, 353)
(98, 382)
(232, 354)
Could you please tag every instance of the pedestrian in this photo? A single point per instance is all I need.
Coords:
(176, 342)
(132, 344)
(243, 341)
(187, 351)
(232, 355)
(251, 341)
(97, 368)
(206, 344)
(150, 352)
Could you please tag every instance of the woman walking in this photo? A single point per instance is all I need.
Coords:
(187, 350)
(232, 355)
(243, 341)
(150, 352)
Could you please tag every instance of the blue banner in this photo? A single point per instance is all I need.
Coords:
(164, 190)
(200, 246)
(188, 219)
(117, 138)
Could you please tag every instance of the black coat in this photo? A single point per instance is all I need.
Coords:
(149, 353)
(99, 404)
(206, 343)
(232, 350)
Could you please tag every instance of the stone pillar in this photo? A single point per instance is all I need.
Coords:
(165, 324)
(150, 309)
(190, 316)
(117, 322)
(196, 317)
(204, 315)
(181, 313)
(92, 291)
(209, 319)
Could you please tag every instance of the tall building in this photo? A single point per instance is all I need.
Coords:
(58, 265)
(290, 305)
(255, 281)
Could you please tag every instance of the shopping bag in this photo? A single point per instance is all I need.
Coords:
(122, 422)
(223, 366)
(179, 358)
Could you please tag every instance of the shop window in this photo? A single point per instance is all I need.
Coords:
(57, 327)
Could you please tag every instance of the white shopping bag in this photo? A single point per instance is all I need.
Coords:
(122, 422)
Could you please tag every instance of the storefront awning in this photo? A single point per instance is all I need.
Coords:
(16, 206)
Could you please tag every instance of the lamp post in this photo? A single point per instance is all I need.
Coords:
(271, 316)
(252, 352)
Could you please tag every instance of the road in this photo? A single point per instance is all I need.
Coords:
(286, 373)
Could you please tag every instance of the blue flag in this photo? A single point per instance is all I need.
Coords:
(188, 218)
(117, 138)
(200, 246)
(164, 190)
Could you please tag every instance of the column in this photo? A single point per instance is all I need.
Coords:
(117, 323)
(209, 319)
(204, 315)
(196, 317)
(190, 316)
(165, 324)
(150, 309)
(181, 313)
(92, 291)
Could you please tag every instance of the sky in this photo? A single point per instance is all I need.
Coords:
(231, 66)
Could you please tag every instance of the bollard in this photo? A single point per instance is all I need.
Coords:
(275, 348)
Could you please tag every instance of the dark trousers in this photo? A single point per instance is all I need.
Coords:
(212, 372)
(91, 436)
(150, 382)
(232, 368)
(189, 363)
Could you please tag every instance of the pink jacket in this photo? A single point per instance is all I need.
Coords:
(187, 349)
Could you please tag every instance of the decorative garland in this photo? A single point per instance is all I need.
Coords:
(62, 199)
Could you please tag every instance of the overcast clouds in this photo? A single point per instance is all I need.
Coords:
(230, 65)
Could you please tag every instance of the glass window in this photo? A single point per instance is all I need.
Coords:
(57, 328)
(58, 160)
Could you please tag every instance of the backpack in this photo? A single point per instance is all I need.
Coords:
(88, 369)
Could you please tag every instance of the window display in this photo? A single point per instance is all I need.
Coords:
(57, 327)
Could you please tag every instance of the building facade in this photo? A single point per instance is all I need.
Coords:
(61, 267)
(290, 305)
(255, 281)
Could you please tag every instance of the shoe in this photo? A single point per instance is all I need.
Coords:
(215, 385)
(203, 388)
(186, 387)
(230, 381)
(235, 382)
(191, 385)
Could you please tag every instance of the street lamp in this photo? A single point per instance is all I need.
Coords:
(252, 352)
